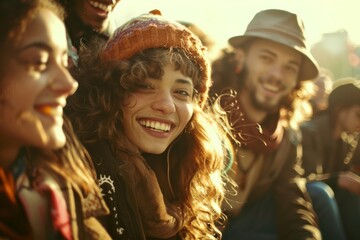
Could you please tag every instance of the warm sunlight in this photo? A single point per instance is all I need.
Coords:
(226, 18)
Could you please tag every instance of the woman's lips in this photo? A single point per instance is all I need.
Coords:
(50, 109)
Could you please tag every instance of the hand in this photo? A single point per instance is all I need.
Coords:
(350, 181)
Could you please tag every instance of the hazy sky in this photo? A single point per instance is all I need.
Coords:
(226, 18)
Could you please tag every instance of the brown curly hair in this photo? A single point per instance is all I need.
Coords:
(96, 113)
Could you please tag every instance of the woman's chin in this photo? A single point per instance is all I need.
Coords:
(55, 139)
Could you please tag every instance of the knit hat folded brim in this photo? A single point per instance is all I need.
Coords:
(152, 30)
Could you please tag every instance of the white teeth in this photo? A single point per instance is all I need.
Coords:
(106, 8)
(156, 126)
(271, 87)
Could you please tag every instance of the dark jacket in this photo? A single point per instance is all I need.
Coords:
(124, 220)
(324, 157)
(280, 172)
(117, 183)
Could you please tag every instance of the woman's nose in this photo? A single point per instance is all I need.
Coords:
(164, 102)
(63, 82)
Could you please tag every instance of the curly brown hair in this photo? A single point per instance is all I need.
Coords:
(96, 113)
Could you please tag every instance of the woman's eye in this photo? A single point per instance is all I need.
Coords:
(184, 93)
(40, 65)
(34, 60)
(144, 87)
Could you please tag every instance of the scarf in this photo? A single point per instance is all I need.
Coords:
(262, 137)
(13, 220)
(160, 218)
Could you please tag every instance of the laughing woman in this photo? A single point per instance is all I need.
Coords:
(159, 151)
(46, 188)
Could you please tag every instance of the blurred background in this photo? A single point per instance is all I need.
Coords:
(332, 26)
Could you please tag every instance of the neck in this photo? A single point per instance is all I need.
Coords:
(252, 113)
(337, 131)
(76, 27)
(8, 155)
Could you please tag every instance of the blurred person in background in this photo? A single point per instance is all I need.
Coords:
(323, 86)
(205, 39)
(86, 19)
(331, 152)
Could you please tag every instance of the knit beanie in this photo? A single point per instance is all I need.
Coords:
(152, 30)
(346, 92)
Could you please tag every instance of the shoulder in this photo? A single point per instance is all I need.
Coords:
(102, 155)
(322, 119)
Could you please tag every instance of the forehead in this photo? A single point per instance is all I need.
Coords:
(277, 49)
(45, 27)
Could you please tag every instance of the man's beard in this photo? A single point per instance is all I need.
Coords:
(241, 85)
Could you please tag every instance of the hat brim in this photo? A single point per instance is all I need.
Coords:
(346, 81)
(309, 69)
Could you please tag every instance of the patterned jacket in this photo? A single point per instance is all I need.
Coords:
(56, 209)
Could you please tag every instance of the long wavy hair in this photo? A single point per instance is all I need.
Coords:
(296, 107)
(72, 161)
(96, 113)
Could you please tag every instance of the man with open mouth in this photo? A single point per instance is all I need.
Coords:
(86, 19)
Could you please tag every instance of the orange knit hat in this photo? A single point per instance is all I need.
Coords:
(152, 30)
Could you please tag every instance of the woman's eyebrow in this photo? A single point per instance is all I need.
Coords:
(40, 45)
(184, 81)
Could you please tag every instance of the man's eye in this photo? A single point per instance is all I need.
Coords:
(266, 58)
(292, 69)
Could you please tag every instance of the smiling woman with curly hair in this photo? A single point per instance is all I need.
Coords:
(159, 151)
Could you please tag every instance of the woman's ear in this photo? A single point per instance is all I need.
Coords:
(239, 59)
